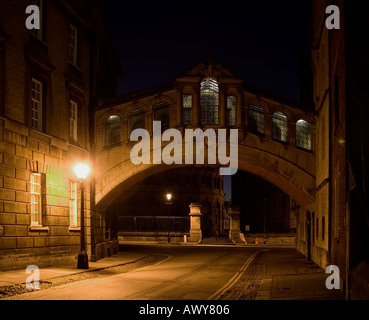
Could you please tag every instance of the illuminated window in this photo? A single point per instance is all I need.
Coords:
(279, 127)
(36, 205)
(73, 109)
(231, 111)
(73, 204)
(303, 134)
(73, 44)
(161, 113)
(256, 119)
(37, 107)
(136, 120)
(209, 100)
(187, 109)
(112, 130)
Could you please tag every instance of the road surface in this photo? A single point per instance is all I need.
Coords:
(178, 273)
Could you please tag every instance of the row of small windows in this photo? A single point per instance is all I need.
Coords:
(279, 127)
(38, 107)
(136, 121)
(255, 121)
(209, 106)
(73, 33)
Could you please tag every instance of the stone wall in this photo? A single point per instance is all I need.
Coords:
(23, 150)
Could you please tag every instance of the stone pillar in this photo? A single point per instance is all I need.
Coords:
(196, 112)
(292, 134)
(222, 108)
(234, 227)
(195, 220)
(239, 119)
(268, 125)
(179, 106)
(125, 131)
(149, 117)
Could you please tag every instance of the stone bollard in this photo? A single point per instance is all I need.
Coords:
(195, 220)
(235, 229)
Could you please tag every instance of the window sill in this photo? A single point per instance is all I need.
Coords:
(74, 72)
(38, 228)
(74, 229)
(113, 145)
(39, 42)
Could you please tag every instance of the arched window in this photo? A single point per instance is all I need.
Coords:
(279, 127)
(161, 113)
(256, 119)
(112, 130)
(209, 100)
(303, 134)
(231, 111)
(136, 120)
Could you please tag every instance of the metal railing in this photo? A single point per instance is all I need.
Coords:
(153, 223)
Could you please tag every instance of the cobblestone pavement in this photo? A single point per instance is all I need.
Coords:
(246, 288)
(281, 275)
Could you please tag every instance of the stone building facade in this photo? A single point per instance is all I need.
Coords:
(50, 80)
(338, 230)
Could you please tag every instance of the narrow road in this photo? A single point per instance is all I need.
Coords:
(204, 272)
(181, 273)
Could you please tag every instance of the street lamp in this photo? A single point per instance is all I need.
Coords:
(169, 197)
(82, 170)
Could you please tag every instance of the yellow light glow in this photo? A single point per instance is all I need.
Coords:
(82, 170)
(169, 196)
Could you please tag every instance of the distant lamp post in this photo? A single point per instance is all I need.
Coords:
(169, 197)
(82, 170)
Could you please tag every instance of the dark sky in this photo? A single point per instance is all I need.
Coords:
(259, 40)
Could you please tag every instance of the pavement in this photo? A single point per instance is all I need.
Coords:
(11, 277)
(287, 275)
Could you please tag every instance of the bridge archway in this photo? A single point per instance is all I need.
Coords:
(290, 178)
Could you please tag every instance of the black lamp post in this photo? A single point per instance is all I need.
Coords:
(265, 202)
(169, 197)
(82, 170)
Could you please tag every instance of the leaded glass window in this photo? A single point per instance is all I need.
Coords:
(256, 119)
(73, 33)
(209, 100)
(187, 109)
(37, 105)
(231, 111)
(280, 127)
(73, 118)
(73, 204)
(36, 206)
(136, 120)
(303, 134)
(161, 113)
(112, 130)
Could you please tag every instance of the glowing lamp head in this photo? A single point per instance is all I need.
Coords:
(169, 196)
(82, 170)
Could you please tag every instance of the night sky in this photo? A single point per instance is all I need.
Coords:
(259, 40)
